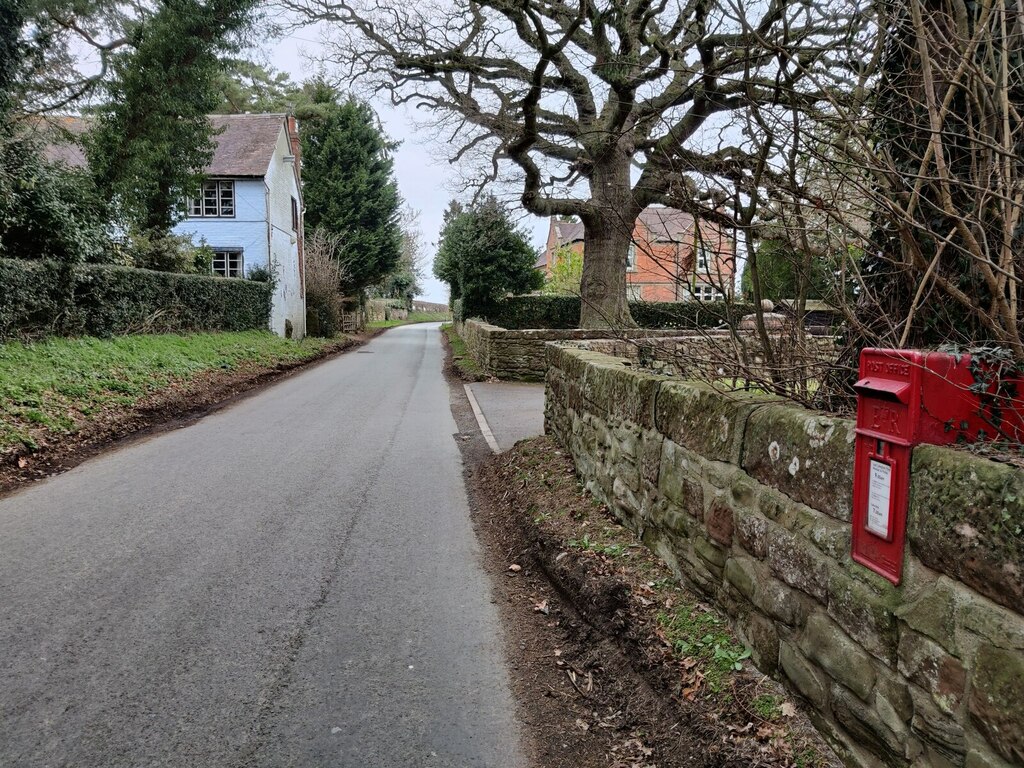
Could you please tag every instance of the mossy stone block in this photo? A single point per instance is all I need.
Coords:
(933, 614)
(966, 520)
(997, 692)
(704, 419)
(868, 618)
(826, 644)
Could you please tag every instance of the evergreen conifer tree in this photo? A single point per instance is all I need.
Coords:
(153, 137)
(349, 186)
(484, 256)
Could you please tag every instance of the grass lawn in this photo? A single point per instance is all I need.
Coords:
(414, 317)
(58, 385)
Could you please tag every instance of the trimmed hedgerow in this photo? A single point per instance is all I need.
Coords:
(688, 314)
(518, 312)
(49, 297)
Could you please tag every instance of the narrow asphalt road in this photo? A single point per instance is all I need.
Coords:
(293, 581)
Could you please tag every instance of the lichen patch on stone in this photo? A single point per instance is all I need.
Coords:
(819, 436)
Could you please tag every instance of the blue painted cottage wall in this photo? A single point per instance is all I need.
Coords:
(262, 229)
(246, 231)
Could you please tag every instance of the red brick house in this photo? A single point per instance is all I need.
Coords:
(671, 258)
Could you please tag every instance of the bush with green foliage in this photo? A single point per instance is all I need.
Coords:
(566, 272)
(780, 269)
(48, 211)
(519, 312)
(165, 252)
(51, 297)
(483, 256)
(262, 274)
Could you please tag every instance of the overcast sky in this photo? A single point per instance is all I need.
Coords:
(425, 179)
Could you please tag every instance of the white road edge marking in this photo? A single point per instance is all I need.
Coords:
(481, 421)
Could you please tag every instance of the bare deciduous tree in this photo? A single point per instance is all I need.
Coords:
(602, 108)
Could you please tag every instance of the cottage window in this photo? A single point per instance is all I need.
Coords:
(227, 263)
(216, 200)
(295, 215)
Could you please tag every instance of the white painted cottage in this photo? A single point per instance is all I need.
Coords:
(250, 209)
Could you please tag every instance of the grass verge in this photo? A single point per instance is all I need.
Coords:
(59, 386)
(465, 366)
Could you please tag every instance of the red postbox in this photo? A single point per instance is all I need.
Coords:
(906, 398)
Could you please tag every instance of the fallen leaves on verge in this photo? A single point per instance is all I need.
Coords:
(632, 753)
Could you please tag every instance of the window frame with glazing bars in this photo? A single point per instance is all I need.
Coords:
(216, 200)
(713, 294)
(226, 255)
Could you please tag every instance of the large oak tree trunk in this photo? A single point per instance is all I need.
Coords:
(607, 233)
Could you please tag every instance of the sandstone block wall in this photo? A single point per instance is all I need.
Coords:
(508, 354)
(710, 354)
(749, 501)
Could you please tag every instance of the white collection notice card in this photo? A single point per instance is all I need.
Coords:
(879, 495)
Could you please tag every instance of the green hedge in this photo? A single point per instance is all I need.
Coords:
(518, 312)
(48, 297)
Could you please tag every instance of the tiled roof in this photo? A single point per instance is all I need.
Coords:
(244, 145)
(60, 138)
(666, 225)
(663, 225)
(567, 232)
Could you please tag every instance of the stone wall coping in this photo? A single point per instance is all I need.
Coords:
(571, 334)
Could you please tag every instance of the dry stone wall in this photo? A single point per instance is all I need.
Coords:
(749, 501)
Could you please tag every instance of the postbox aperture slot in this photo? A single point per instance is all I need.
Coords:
(884, 389)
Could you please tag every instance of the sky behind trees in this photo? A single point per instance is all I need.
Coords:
(425, 179)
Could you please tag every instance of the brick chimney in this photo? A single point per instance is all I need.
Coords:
(294, 143)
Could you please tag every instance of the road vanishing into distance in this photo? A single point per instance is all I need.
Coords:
(292, 581)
